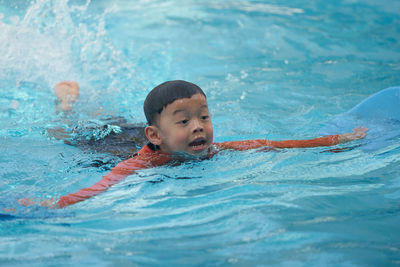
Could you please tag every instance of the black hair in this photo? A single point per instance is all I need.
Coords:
(165, 94)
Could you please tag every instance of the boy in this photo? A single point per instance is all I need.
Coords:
(179, 126)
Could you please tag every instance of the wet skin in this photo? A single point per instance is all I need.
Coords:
(183, 126)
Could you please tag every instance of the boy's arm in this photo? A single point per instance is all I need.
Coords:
(329, 140)
(117, 174)
(145, 159)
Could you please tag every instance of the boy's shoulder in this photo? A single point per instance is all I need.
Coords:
(146, 157)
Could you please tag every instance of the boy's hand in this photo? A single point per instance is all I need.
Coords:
(357, 133)
(44, 203)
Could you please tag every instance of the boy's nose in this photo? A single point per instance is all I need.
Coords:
(197, 126)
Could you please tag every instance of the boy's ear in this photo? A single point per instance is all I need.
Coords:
(153, 135)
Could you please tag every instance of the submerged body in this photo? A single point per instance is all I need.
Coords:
(179, 125)
(149, 157)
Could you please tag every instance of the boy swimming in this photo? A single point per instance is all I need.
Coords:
(179, 127)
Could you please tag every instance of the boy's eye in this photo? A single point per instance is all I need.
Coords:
(206, 117)
(183, 121)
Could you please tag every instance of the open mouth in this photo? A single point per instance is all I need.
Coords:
(198, 144)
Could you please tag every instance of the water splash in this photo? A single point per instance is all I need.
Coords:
(56, 41)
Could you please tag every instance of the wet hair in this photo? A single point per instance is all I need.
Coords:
(166, 93)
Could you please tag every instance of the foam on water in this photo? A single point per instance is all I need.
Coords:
(55, 41)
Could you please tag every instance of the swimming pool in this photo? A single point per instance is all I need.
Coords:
(271, 69)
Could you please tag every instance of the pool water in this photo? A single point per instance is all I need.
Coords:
(271, 69)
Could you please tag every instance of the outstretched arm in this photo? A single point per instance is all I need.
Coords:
(117, 174)
(146, 159)
(329, 140)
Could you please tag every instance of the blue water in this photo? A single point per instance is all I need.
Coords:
(271, 69)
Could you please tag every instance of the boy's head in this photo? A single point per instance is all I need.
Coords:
(178, 118)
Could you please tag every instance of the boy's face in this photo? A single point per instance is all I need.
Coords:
(183, 126)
